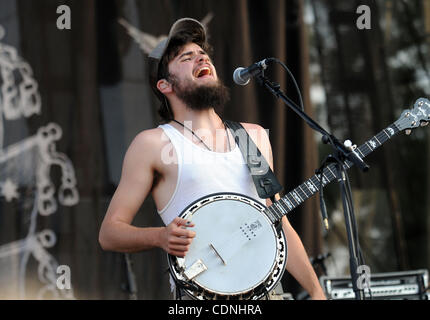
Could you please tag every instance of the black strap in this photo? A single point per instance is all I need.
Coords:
(264, 179)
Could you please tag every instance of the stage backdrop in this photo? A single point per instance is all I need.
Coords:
(74, 93)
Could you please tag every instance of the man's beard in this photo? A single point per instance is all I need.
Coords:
(202, 97)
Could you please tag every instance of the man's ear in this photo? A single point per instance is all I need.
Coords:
(164, 86)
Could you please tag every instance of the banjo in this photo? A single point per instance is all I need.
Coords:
(240, 251)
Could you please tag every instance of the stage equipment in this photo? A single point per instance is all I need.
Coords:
(406, 285)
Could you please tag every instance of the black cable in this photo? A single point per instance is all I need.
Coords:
(294, 81)
(320, 172)
(351, 207)
(354, 225)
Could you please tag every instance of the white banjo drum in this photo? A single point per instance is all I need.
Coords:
(238, 253)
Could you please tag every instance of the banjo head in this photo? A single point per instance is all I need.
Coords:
(237, 252)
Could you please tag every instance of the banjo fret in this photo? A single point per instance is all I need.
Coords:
(281, 210)
(304, 193)
(272, 214)
(288, 203)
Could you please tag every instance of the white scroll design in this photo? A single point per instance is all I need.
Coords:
(26, 165)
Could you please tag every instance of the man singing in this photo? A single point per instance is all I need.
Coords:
(188, 157)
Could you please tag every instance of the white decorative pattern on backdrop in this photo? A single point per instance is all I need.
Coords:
(26, 165)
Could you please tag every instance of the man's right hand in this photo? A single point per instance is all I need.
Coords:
(176, 238)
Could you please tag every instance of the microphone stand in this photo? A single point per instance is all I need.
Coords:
(340, 155)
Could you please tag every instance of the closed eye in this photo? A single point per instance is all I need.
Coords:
(186, 56)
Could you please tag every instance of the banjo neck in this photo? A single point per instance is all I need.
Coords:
(311, 186)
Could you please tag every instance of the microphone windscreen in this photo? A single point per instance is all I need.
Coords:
(238, 79)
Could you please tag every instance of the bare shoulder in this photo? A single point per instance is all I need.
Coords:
(253, 126)
(149, 140)
(146, 146)
(257, 132)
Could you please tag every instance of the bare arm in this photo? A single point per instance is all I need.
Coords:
(298, 264)
(116, 232)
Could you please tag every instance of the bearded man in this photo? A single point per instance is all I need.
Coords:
(189, 156)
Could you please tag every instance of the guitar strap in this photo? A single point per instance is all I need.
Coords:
(264, 179)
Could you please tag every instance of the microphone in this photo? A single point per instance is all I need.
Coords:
(242, 76)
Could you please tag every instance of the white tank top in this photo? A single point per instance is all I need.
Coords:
(202, 172)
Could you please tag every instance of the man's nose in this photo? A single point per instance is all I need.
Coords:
(203, 58)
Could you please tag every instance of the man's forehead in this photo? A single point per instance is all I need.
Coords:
(190, 48)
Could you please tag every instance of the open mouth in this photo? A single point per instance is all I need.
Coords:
(201, 72)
